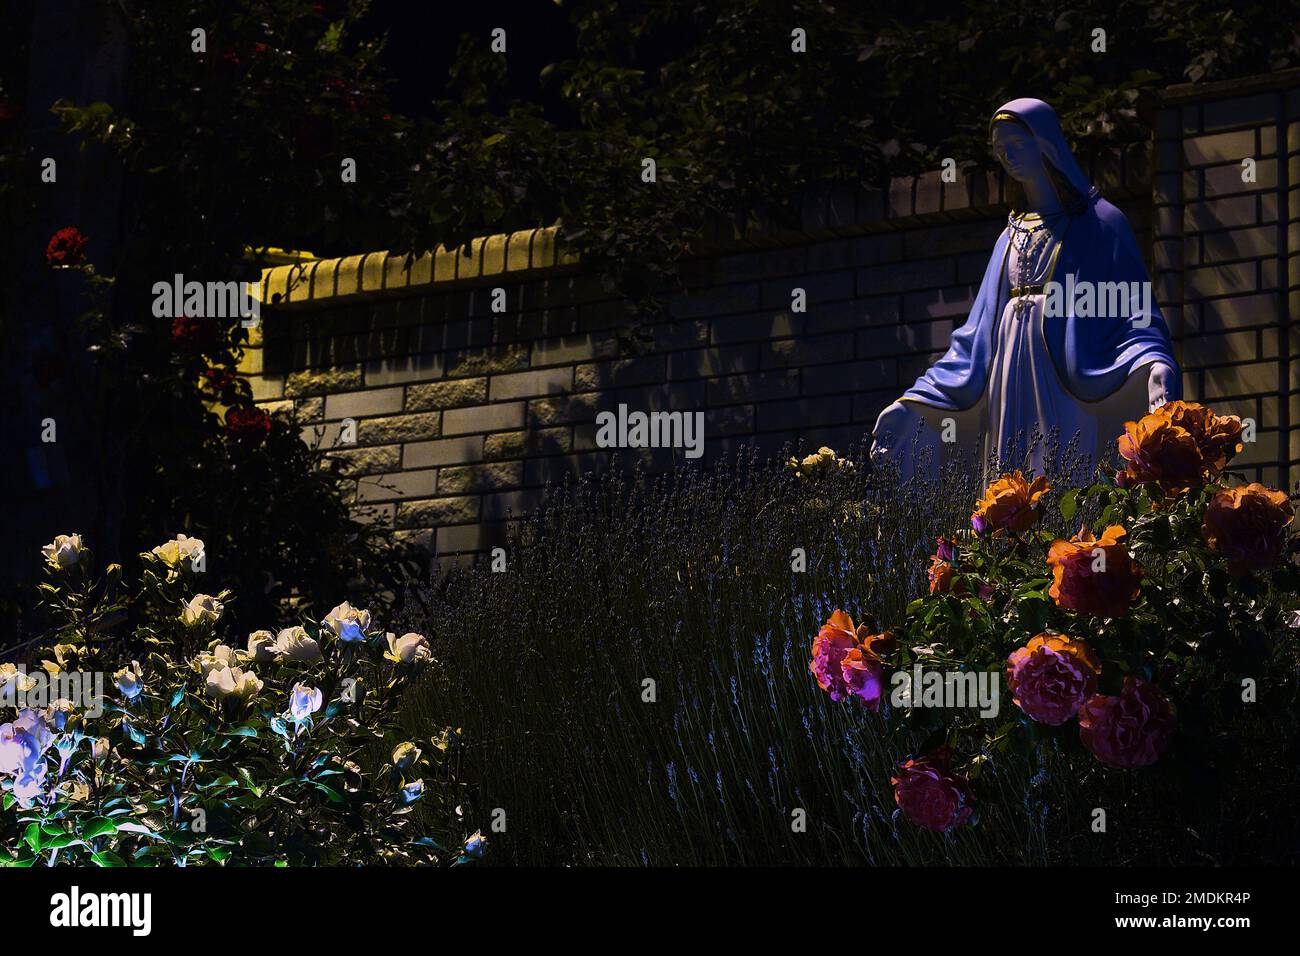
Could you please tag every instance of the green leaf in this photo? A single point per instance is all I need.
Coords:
(135, 733)
(61, 841)
(32, 836)
(1070, 504)
(334, 795)
(99, 826)
(247, 777)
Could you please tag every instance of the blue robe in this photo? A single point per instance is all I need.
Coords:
(1093, 357)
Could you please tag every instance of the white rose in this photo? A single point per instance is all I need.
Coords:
(63, 552)
(348, 623)
(179, 549)
(23, 744)
(405, 754)
(247, 684)
(261, 647)
(201, 607)
(409, 648)
(232, 681)
(293, 644)
(63, 654)
(128, 681)
(13, 680)
(29, 786)
(304, 701)
(99, 750)
(220, 657)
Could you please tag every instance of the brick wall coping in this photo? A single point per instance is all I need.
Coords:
(1242, 86)
(510, 255)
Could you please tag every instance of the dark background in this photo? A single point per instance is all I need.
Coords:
(423, 38)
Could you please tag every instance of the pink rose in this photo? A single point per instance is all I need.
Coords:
(1051, 677)
(831, 645)
(864, 677)
(1128, 731)
(930, 795)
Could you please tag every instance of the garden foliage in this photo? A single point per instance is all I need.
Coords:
(636, 682)
(143, 734)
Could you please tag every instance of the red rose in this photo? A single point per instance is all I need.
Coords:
(1094, 576)
(247, 427)
(930, 795)
(219, 378)
(1248, 527)
(67, 247)
(1051, 677)
(1128, 731)
(193, 334)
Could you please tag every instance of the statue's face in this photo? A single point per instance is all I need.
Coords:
(1017, 151)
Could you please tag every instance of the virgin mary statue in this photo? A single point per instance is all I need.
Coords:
(1064, 333)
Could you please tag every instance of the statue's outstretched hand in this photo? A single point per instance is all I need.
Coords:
(891, 426)
(1162, 386)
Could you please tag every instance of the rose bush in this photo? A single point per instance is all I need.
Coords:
(1179, 618)
(185, 745)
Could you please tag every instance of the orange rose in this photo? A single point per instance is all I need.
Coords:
(1248, 527)
(940, 574)
(1218, 436)
(1092, 576)
(1181, 445)
(1009, 504)
(878, 645)
(1155, 449)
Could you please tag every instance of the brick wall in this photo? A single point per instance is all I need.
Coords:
(463, 415)
(1227, 253)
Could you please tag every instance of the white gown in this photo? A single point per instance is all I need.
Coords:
(1024, 391)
